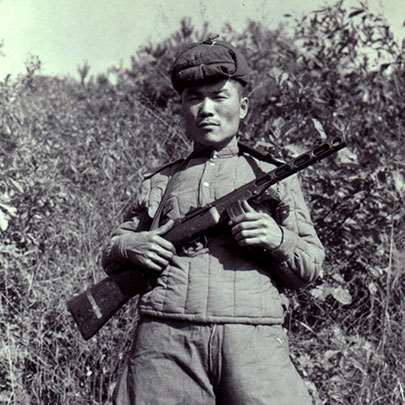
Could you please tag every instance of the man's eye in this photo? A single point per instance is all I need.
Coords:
(220, 97)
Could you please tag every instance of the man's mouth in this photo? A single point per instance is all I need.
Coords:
(204, 124)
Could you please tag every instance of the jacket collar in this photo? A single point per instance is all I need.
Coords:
(229, 150)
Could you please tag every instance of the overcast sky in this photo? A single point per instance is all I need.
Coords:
(65, 33)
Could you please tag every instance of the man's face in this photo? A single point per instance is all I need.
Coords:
(212, 112)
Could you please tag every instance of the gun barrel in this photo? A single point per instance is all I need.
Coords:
(301, 162)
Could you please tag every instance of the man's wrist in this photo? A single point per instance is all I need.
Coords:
(276, 245)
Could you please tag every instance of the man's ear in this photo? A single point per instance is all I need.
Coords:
(244, 107)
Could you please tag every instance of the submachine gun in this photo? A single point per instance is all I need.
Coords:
(92, 308)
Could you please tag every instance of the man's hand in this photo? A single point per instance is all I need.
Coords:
(148, 249)
(256, 229)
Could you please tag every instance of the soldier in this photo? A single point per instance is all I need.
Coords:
(211, 329)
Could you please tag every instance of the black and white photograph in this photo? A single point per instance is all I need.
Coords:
(202, 202)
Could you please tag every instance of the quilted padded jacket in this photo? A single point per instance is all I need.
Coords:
(215, 280)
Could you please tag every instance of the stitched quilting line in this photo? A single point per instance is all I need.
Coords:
(236, 176)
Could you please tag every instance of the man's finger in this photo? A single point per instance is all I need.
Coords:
(151, 265)
(247, 216)
(162, 251)
(161, 261)
(165, 244)
(247, 206)
(250, 242)
(245, 225)
(165, 227)
(246, 234)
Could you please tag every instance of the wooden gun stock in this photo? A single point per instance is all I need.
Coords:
(92, 308)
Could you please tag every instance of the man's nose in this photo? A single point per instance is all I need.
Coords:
(206, 106)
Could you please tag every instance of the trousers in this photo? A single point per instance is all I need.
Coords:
(176, 362)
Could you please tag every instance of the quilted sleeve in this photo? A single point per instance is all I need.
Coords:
(300, 255)
(139, 219)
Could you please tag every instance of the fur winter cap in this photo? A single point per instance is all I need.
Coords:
(208, 61)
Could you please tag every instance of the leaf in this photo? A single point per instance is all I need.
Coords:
(372, 288)
(399, 182)
(295, 148)
(330, 353)
(10, 250)
(4, 221)
(347, 156)
(5, 198)
(376, 272)
(8, 209)
(342, 295)
(326, 362)
(319, 293)
(277, 126)
(319, 128)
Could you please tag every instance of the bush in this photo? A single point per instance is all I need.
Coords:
(73, 153)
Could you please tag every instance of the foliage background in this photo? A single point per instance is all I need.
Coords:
(72, 155)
